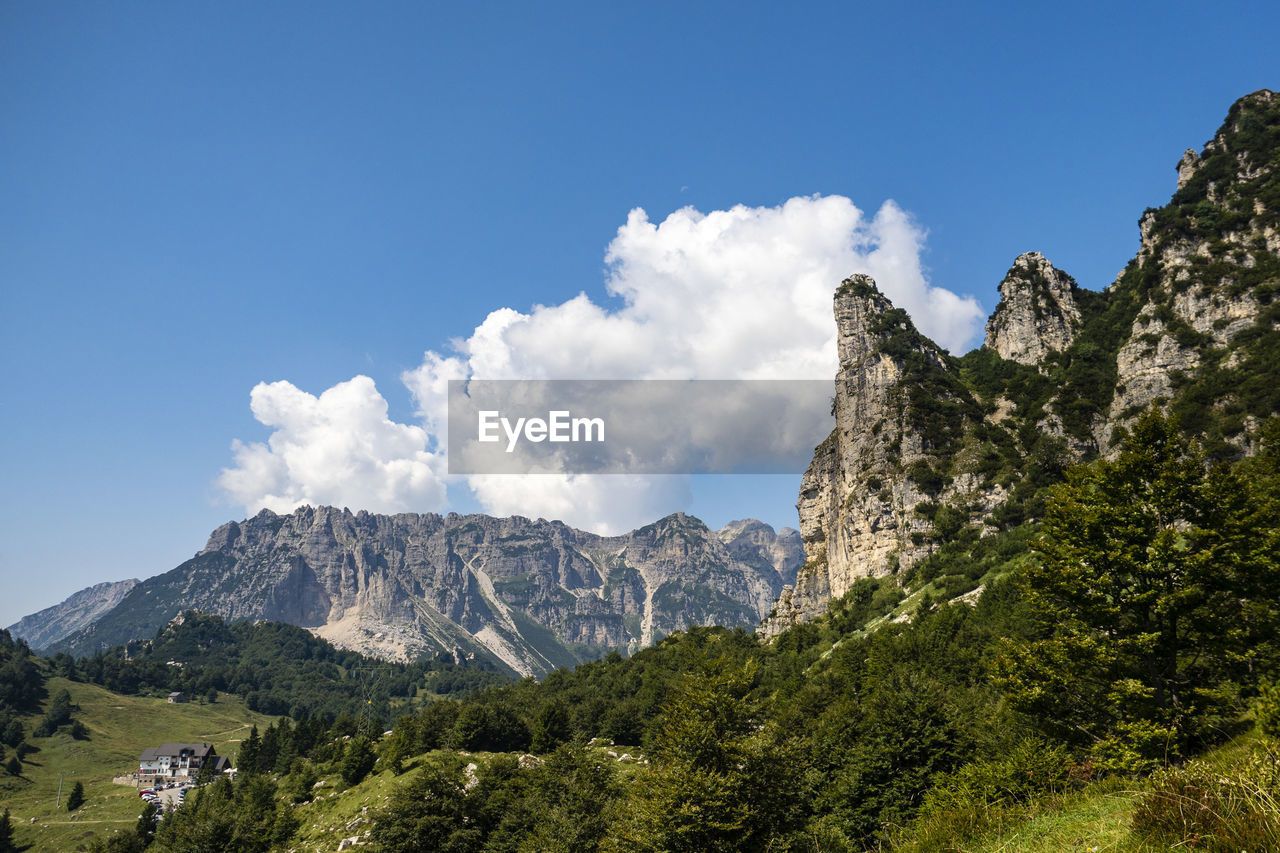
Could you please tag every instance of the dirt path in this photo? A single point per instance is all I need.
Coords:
(210, 738)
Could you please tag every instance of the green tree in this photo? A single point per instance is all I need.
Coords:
(723, 778)
(357, 760)
(14, 765)
(573, 791)
(6, 833)
(433, 812)
(900, 737)
(490, 727)
(76, 798)
(206, 822)
(260, 822)
(145, 829)
(1155, 586)
(550, 727)
(58, 714)
(247, 757)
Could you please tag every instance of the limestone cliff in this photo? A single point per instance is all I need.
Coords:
(901, 418)
(1037, 313)
(1204, 281)
(532, 594)
(752, 541)
(932, 451)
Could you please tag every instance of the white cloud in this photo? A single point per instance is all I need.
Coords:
(339, 448)
(604, 504)
(743, 293)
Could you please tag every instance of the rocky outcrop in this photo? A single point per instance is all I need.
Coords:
(900, 414)
(42, 629)
(927, 445)
(534, 595)
(1203, 261)
(1037, 313)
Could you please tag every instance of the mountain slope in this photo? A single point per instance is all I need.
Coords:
(534, 595)
(928, 447)
(78, 611)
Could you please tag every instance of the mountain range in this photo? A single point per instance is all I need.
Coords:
(529, 595)
(928, 449)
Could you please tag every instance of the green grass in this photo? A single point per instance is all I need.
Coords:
(1098, 817)
(1095, 819)
(120, 727)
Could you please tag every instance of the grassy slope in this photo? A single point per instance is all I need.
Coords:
(1097, 818)
(120, 728)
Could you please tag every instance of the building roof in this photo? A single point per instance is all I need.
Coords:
(197, 750)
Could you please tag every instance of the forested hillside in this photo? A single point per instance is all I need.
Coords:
(1137, 631)
(277, 669)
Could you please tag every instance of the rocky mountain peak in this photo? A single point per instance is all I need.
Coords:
(1037, 313)
(528, 594)
(1207, 269)
(899, 411)
(1187, 166)
(867, 324)
(928, 448)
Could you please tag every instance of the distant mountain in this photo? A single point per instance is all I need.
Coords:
(928, 447)
(82, 609)
(533, 595)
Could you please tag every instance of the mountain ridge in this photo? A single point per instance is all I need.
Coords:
(76, 611)
(927, 445)
(529, 595)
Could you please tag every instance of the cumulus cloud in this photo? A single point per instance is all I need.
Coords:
(743, 293)
(339, 448)
(603, 503)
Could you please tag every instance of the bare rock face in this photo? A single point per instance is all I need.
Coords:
(1037, 313)
(752, 541)
(899, 410)
(534, 595)
(79, 610)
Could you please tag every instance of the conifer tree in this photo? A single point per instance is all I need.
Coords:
(1155, 586)
(76, 798)
(6, 833)
(247, 757)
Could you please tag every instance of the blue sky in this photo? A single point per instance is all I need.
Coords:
(197, 197)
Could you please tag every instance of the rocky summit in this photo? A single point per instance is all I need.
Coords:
(530, 595)
(1037, 313)
(927, 445)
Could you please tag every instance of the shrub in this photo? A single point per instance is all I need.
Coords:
(983, 794)
(358, 760)
(1267, 709)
